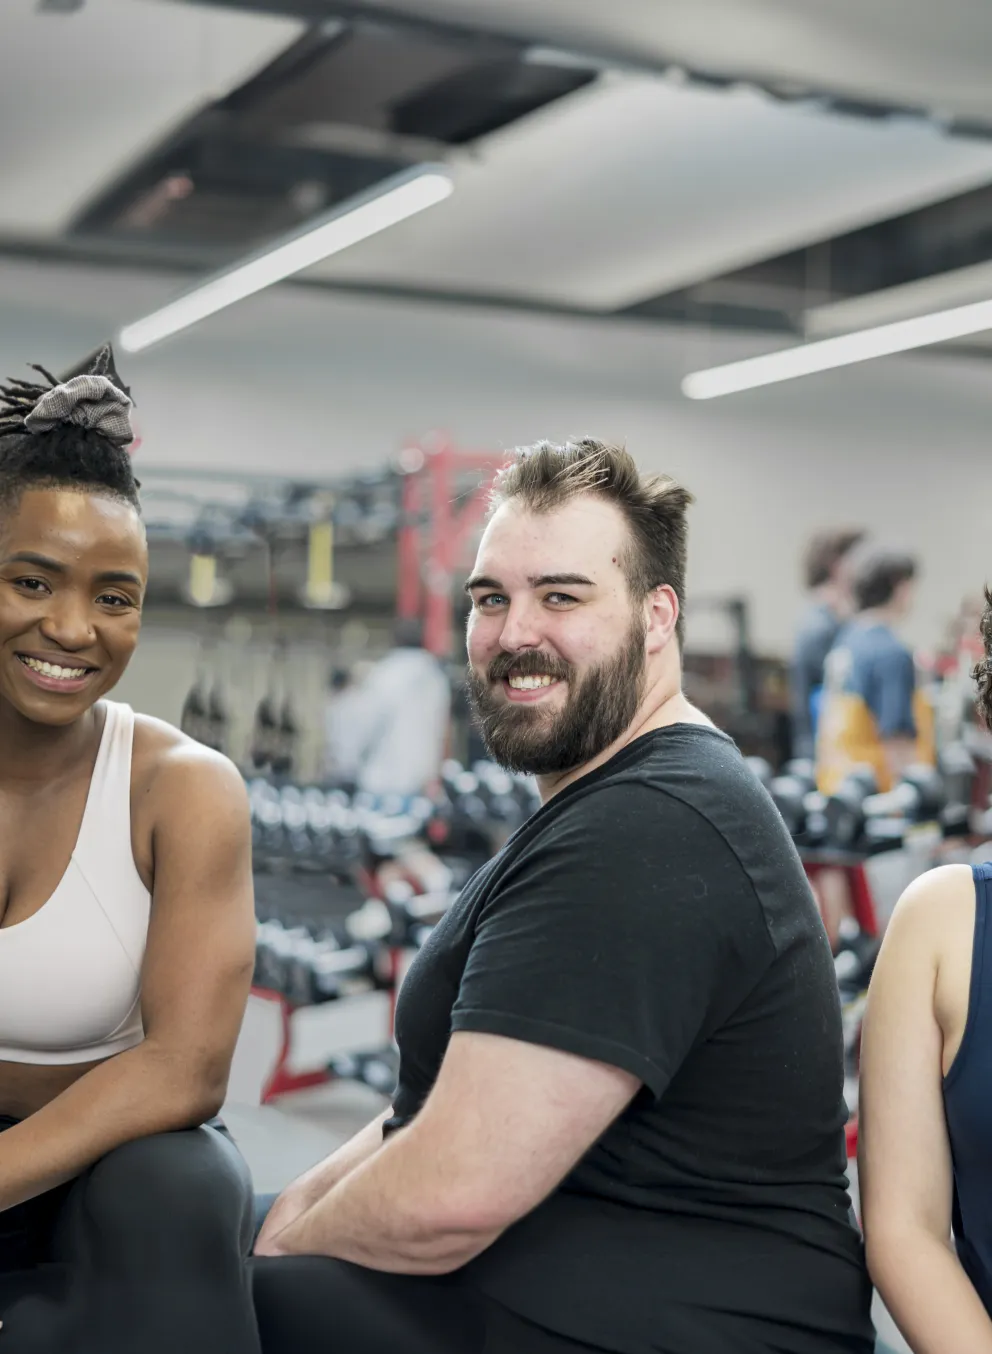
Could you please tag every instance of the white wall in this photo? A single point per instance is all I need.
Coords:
(307, 381)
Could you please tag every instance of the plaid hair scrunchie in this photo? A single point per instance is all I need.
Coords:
(89, 402)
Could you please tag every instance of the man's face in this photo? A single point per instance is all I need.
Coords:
(556, 645)
(73, 568)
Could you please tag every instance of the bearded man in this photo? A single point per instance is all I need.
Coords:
(619, 1120)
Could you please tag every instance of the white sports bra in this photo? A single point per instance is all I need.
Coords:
(70, 974)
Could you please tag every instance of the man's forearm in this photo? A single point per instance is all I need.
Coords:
(383, 1215)
(323, 1177)
(930, 1297)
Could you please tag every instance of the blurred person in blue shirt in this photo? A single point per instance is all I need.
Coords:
(872, 712)
(827, 568)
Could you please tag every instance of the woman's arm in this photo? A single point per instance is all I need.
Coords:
(195, 984)
(905, 1160)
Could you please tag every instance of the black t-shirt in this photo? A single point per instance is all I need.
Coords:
(655, 916)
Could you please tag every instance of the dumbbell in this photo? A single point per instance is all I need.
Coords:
(496, 792)
(332, 972)
(379, 1070)
(295, 817)
(274, 948)
(844, 809)
(882, 819)
(854, 961)
(918, 798)
(790, 792)
(957, 767)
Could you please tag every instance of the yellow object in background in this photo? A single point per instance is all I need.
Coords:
(320, 564)
(202, 579)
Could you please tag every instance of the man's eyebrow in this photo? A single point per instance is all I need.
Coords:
(540, 581)
(561, 581)
(479, 581)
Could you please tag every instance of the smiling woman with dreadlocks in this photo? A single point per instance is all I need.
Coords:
(126, 925)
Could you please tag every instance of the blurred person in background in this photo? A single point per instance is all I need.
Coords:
(828, 581)
(342, 733)
(390, 730)
(872, 713)
(926, 1102)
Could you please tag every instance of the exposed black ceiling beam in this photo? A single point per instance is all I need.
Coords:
(121, 256)
(321, 11)
(681, 309)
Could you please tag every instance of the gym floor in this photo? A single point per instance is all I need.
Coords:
(282, 1140)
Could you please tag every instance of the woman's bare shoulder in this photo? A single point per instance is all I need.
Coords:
(934, 907)
(161, 751)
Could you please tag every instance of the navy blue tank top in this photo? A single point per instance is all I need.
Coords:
(968, 1106)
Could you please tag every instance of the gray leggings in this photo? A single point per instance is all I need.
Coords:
(144, 1253)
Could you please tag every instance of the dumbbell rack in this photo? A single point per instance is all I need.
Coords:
(282, 1080)
(815, 862)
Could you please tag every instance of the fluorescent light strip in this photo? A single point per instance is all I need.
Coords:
(395, 200)
(879, 341)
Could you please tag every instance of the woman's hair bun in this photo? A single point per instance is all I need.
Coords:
(93, 400)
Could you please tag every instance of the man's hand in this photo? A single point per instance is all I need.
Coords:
(292, 1203)
(318, 1181)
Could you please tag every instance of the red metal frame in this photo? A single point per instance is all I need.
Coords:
(281, 1081)
(863, 906)
(408, 589)
(433, 536)
(851, 1137)
(862, 903)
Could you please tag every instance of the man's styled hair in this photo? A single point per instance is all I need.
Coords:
(60, 435)
(877, 575)
(548, 474)
(825, 551)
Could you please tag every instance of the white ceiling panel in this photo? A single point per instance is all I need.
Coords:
(909, 52)
(637, 186)
(84, 94)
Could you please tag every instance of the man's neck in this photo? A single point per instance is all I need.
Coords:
(35, 755)
(879, 615)
(662, 705)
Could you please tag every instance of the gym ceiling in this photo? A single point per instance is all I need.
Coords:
(785, 166)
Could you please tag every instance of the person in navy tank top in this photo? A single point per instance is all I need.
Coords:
(926, 1103)
(126, 925)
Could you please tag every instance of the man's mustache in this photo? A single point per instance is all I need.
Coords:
(532, 663)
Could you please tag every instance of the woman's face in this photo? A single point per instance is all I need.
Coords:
(73, 570)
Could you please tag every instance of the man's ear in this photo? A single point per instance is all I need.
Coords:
(662, 617)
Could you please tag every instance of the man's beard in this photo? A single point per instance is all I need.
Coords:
(539, 741)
